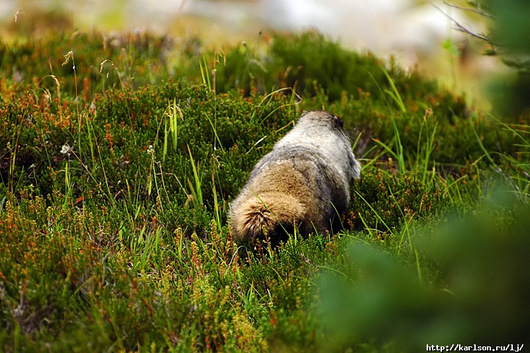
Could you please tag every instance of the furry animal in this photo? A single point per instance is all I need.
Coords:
(303, 182)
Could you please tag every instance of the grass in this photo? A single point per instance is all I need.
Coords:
(117, 174)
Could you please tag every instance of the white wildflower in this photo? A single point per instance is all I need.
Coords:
(66, 149)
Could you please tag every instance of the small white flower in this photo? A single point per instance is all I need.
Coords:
(151, 149)
(66, 149)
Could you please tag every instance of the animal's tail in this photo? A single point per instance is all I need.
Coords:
(268, 213)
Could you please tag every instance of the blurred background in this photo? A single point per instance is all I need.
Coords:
(419, 34)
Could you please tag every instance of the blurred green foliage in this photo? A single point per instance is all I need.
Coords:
(511, 24)
(482, 298)
(510, 28)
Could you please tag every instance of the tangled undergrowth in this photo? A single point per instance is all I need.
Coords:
(119, 157)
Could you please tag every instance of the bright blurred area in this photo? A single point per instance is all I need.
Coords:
(419, 34)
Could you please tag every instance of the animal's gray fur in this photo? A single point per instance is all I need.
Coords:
(300, 182)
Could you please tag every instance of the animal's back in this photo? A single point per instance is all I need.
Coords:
(301, 183)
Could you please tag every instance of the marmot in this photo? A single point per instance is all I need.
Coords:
(303, 182)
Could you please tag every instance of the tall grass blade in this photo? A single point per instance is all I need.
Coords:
(197, 189)
(394, 93)
(203, 65)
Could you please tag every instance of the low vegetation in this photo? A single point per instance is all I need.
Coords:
(119, 156)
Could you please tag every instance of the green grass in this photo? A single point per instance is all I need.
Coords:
(116, 175)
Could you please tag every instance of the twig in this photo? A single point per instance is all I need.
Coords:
(470, 9)
(461, 28)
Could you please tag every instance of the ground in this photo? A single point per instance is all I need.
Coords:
(119, 156)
